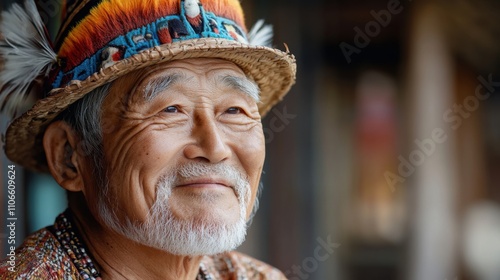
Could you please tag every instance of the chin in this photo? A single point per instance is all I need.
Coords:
(206, 231)
(201, 236)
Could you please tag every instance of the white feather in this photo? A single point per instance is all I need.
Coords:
(26, 51)
(260, 34)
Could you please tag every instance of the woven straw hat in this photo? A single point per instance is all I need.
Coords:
(100, 41)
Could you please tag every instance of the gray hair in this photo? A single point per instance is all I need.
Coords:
(84, 116)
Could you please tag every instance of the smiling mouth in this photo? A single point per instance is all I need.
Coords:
(204, 183)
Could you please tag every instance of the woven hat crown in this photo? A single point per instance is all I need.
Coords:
(97, 34)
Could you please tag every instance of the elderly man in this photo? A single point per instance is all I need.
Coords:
(151, 120)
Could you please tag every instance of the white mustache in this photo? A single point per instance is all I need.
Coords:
(237, 180)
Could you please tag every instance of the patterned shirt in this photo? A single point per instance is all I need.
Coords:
(58, 252)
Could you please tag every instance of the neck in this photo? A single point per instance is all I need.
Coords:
(120, 258)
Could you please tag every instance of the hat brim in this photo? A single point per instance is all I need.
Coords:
(272, 69)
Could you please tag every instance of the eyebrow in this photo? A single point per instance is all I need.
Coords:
(244, 85)
(159, 84)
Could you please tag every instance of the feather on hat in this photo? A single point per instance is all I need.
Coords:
(26, 51)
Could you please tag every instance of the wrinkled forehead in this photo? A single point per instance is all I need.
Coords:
(145, 84)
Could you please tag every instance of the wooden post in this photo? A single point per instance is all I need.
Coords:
(432, 185)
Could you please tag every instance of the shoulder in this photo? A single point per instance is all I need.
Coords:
(39, 257)
(235, 265)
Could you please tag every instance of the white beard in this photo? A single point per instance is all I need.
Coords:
(163, 231)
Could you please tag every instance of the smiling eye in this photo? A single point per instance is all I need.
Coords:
(171, 109)
(233, 110)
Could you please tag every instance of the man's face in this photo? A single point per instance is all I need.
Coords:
(179, 127)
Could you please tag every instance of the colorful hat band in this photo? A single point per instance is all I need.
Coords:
(165, 30)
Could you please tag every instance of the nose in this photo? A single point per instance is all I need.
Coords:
(208, 142)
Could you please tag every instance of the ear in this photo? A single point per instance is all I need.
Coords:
(60, 142)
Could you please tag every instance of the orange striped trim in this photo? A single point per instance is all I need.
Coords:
(112, 18)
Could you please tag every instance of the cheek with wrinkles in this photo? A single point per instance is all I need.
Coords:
(251, 153)
(131, 194)
(251, 146)
(126, 143)
(133, 162)
(123, 195)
